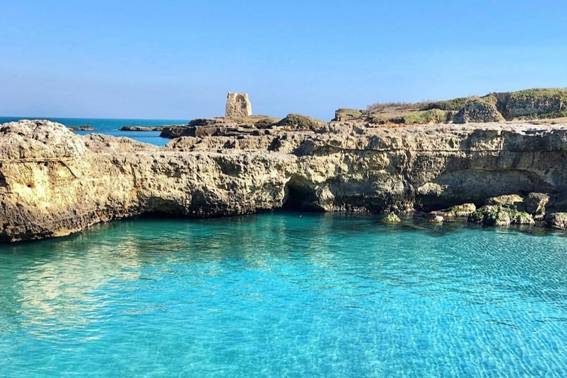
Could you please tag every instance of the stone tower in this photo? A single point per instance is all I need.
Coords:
(238, 105)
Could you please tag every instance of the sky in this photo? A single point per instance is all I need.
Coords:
(174, 59)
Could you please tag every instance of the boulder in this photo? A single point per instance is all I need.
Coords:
(557, 221)
(535, 204)
(300, 122)
(347, 114)
(498, 215)
(436, 219)
(461, 211)
(505, 200)
(477, 110)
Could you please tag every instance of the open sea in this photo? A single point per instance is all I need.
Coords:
(112, 126)
(285, 295)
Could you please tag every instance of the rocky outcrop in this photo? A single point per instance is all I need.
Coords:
(478, 110)
(535, 203)
(529, 104)
(145, 128)
(498, 215)
(557, 220)
(300, 122)
(54, 182)
(347, 114)
(533, 103)
(221, 126)
(82, 128)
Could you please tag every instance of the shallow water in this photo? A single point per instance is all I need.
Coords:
(284, 295)
(112, 127)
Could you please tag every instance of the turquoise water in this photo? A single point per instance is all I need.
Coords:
(283, 295)
(112, 126)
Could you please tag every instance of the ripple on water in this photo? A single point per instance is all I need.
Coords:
(278, 294)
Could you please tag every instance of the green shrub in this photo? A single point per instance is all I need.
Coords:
(391, 218)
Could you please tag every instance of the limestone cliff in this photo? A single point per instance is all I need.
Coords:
(53, 182)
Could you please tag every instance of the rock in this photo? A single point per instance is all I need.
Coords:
(462, 211)
(174, 132)
(477, 110)
(535, 204)
(502, 219)
(191, 131)
(523, 218)
(557, 221)
(203, 122)
(82, 128)
(265, 124)
(300, 122)
(347, 114)
(54, 182)
(238, 105)
(436, 219)
(498, 215)
(486, 215)
(391, 218)
(143, 128)
(505, 200)
(533, 103)
(458, 211)
(203, 127)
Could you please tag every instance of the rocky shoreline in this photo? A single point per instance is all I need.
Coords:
(145, 128)
(54, 182)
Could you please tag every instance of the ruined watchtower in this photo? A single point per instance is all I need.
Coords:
(238, 105)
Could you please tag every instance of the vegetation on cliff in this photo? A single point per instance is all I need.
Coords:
(529, 104)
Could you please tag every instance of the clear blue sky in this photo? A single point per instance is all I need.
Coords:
(177, 59)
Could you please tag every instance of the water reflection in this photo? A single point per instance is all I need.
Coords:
(327, 280)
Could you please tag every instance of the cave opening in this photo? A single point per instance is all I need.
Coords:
(300, 196)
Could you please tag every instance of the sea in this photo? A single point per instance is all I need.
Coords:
(111, 126)
(285, 295)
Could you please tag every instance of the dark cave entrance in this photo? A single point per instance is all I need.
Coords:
(300, 196)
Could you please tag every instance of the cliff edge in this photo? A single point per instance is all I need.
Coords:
(54, 182)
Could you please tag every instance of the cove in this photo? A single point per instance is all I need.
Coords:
(284, 294)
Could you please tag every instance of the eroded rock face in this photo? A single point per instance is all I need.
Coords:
(53, 182)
